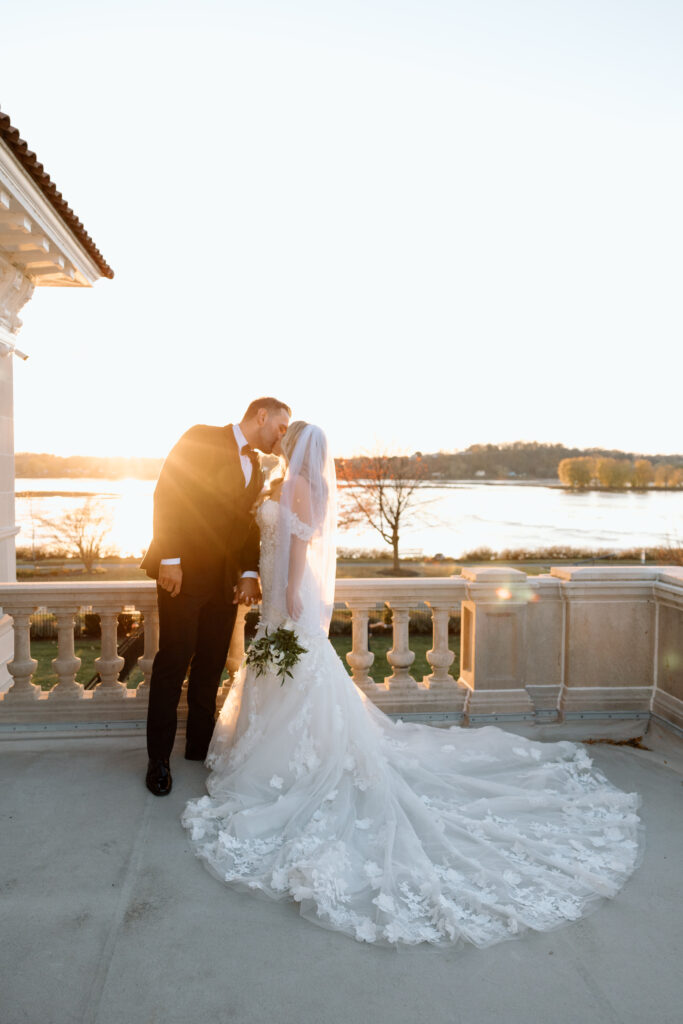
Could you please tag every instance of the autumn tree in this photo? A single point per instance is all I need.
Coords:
(383, 492)
(576, 472)
(643, 474)
(81, 532)
(668, 476)
(613, 473)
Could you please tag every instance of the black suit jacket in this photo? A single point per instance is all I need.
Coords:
(203, 512)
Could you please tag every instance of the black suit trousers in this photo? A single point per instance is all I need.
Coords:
(194, 631)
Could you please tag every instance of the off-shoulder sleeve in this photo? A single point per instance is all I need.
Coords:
(300, 529)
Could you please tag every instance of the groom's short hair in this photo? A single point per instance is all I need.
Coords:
(271, 404)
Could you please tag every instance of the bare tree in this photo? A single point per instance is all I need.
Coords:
(382, 492)
(81, 532)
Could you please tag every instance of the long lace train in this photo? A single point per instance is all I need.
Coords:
(395, 832)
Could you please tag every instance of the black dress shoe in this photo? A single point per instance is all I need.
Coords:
(158, 780)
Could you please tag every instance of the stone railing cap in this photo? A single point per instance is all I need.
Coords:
(488, 574)
(606, 573)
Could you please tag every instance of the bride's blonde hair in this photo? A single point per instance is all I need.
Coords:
(288, 444)
(291, 437)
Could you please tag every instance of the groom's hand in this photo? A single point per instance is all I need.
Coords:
(171, 578)
(247, 591)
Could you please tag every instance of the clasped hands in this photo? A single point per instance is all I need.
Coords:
(247, 591)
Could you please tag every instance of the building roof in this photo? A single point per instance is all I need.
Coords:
(29, 161)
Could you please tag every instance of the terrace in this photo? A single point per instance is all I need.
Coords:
(110, 918)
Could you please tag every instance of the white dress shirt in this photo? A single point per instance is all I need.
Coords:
(247, 470)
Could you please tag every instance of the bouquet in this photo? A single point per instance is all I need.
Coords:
(278, 651)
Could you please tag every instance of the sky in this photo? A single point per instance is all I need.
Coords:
(423, 224)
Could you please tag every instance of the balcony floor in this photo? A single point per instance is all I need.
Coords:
(109, 918)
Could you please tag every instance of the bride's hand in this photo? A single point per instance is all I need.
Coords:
(294, 605)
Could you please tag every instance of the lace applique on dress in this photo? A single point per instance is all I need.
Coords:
(299, 528)
(396, 832)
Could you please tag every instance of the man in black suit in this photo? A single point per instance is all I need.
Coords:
(204, 556)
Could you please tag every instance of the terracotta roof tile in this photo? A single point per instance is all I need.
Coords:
(29, 161)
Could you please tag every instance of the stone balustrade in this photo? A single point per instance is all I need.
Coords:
(582, 644)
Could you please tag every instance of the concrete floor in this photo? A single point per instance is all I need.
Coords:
(108, 918)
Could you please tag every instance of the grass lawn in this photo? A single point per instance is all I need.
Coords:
(87, 650)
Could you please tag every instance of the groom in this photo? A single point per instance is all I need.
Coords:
(204, 556)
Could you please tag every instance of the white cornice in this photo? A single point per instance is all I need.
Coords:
(15, 180)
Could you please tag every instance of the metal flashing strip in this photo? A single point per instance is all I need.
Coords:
(22, 728)
(667, 724)
(597, 716)
(520, 716)
(455, 717)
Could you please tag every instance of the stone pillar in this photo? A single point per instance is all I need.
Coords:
(150, 613)
(493, 656)
(443, 691)
(544, 646)
(400, 683)
(667, 700)
(609, 655)
(22, 666)
(110, 662)
(66, 664)
(15, 291)
(360, 657)
(236, 651)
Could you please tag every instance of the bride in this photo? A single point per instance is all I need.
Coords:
(389, 832)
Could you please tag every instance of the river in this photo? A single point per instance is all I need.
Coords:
(455, 518)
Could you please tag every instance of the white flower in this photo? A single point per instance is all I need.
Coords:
(366, 931)
(276, 782)
(363, 823)
(373, 871)
(385, 903)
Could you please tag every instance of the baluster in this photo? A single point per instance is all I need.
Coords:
(146, 659)
(400, 657)
(22, 666)
(236, 651)
(110, 662)
(66, 664)
(440, 657)
(360, 657)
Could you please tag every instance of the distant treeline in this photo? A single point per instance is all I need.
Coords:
(528, 460)
(32, 464)
(587, 471)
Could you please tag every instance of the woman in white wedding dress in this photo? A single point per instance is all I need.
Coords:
(390, 832)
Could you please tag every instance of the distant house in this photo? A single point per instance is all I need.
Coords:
(42, 245)
(480, 472)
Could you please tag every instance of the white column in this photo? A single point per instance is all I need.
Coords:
(22, 667)
(440, 657)
(236, 651)
(15, 291)
(110, 662)
(400, 657)
(146, 660)
(66, 664)
(360, 658)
